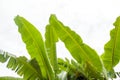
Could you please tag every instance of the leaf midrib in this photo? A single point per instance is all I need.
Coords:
(114, 45)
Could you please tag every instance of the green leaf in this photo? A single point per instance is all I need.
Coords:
(3, 59)
(35, 45)
(50, 41)
(22, 66)
(73, 42)
(111, 55)
(73, 69)
(10, 78)
(118, 74)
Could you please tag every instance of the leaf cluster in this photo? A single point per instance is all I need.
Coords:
(44, 63)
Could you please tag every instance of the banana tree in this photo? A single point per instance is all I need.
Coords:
(44, 64)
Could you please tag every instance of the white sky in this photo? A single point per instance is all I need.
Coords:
(92, 19)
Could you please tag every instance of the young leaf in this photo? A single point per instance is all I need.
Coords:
(73, 42)
(111, 55)
(50, 41)
(35, 45)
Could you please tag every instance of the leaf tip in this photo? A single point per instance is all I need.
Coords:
(117, 22)
(16, 17)
(52, 17)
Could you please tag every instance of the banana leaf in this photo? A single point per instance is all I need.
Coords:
(50, 42)
(35, 46)
(79, 50)
(10, 78)
(111, 55)
(29, 69)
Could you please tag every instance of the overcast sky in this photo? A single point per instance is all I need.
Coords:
(91, 19)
